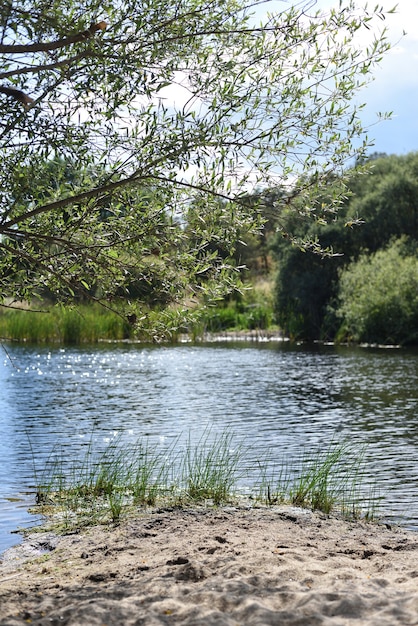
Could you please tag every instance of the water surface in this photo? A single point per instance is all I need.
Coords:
(279, 397)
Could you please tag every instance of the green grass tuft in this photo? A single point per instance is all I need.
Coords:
(210, 468)
(323, 481)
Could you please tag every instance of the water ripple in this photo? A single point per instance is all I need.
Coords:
(279, 397)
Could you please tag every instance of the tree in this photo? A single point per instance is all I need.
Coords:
(163, 107)
(387, 200)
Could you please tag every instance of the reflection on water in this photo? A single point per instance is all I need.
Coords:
(280, 397)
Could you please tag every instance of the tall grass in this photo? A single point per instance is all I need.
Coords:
(95, 483)
(102, 486)
(211, 467)
(324, 480)
(60, 324)
(89, 323)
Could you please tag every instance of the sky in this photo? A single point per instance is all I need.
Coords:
(395, 84)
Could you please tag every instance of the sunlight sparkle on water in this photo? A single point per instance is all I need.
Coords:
(279, 398)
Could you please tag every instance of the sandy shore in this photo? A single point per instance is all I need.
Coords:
(227, 567)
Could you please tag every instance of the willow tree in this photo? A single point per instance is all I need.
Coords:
(167, 115)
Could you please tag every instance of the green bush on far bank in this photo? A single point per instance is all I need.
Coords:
(380, 207)
(237, 317)
(378, 296)
(251, 310)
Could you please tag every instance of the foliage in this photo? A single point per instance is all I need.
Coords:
(131, 133)
(386, 201)
(379, 206)
(378, 296)
(236, 316)
(304, 283)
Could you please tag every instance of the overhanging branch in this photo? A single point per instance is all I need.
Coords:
(53, 45)
(108, 189)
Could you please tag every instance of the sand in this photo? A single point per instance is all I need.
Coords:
(225, 567)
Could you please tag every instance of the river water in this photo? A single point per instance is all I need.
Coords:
(279, 397)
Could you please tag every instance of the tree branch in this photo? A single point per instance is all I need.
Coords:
(109, 188)
(38, 68)
(53, 45)
(18, 95)
(81, 197)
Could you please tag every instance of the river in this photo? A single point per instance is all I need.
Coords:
(278, 396)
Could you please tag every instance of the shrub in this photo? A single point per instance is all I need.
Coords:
(378, 296)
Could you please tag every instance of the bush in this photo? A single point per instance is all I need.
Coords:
(378, 296)
(238, 317)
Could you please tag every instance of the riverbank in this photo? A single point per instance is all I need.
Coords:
(256, 335)
(223, 567)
